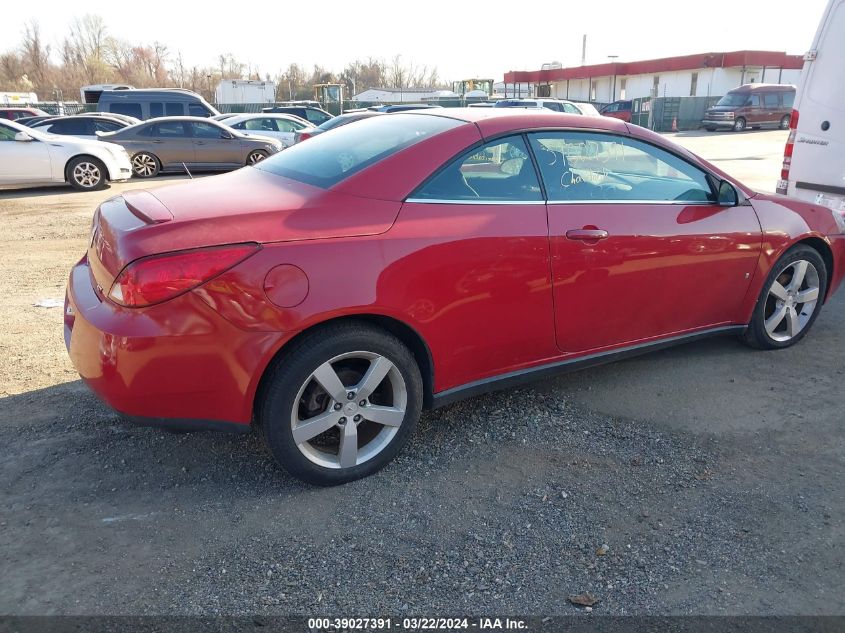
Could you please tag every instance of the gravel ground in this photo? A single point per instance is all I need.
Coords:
(704, 479)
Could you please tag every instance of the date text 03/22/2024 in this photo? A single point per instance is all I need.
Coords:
(416, 624)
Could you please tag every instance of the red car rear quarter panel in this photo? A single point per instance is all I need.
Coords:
(174, 360)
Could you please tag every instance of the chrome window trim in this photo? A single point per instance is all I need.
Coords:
(699, 203)
(498, 202)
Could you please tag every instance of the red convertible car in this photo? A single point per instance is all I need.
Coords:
(331, 292)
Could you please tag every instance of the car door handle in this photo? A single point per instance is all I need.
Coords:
(158, 142)
(586, 235)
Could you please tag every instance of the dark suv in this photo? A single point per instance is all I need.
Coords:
(314, 115)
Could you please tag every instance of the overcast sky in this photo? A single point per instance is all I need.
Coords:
(462, 38)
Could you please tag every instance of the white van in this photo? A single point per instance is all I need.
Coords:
(814, 158)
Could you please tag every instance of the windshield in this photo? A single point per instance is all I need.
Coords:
(327, 159)
(735, 99)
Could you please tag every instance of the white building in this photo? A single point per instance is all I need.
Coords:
(702, 75)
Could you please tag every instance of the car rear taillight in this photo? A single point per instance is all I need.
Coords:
(303, 136)
(159, 278)
(783, 185)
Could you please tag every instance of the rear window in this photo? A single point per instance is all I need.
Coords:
(327, 159)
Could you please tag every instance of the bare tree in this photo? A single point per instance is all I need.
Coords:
(35, 54)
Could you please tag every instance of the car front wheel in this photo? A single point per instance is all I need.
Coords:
(739, 125)
(790, 300)
(341, 404)
(86, 173)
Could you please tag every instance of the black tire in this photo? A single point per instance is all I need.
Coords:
(255, 157)
(86, 173)
(756, 335)
(784, 122)
(739, 125)
(292, 373)
(710, 129)
(145, 165)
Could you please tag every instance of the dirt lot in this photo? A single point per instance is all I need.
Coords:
(712, 473)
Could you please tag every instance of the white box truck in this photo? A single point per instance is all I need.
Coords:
(814, 157)
(245, 91)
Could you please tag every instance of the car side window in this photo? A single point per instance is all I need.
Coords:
(571, 109)
(753, 101)
(7, 133)
(205, 130)
(596, 167)
(169, 129)
(72, 127)
(156, 109)
(770, 100)
(129, 109)
(285, 125)
(174, 109)
(501, 171)
(107, 126)
(198, 109)
(788, 99)
(315, 117)
(260, 125)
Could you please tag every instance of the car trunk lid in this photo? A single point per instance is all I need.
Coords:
(247, 205)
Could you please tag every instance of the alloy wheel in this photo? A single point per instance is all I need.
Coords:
(144, 165)
(87, 174)
(349, 410)
(792, 300)
(255, 157)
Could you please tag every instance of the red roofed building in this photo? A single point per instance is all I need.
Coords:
(702, 75)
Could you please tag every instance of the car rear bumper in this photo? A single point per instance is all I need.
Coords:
(178, 364)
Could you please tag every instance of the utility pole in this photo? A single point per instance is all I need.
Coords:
(584, 50)
(612, 59)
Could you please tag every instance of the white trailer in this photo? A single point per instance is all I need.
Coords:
(245, 91)
(18, 98)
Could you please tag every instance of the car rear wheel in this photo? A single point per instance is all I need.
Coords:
(341, 404)
(784, 122)
(255, 156)
(790, 300)
(145, 165)
(739, 125)
(86, 173)
(710, 129)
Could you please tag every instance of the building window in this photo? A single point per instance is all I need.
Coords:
(622, 85)
(593, 88)
(693, 85)
(655, 89)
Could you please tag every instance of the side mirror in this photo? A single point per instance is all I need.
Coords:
(23, 136)
(225, 134)
(728, 196)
